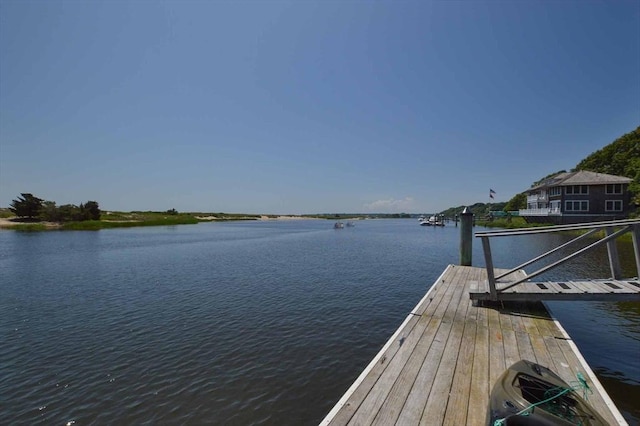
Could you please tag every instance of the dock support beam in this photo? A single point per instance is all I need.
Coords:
(614, 259)
(635, 235)
(466, 237)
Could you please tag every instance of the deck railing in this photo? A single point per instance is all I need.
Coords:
(547, 211)
(612, 230)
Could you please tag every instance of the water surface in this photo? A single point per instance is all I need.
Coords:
(238, 323)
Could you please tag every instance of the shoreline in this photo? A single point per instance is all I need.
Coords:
(10, 224)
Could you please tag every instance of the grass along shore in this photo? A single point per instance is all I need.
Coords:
(120, 220)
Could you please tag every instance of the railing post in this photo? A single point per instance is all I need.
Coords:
(614, 260)
(466, 236)
(635, 236)
(491, 277)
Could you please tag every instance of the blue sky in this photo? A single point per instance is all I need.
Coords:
(308, 107)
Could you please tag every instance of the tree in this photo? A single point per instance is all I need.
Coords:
(621, 157)
(49, 212)
(92, 210)
(519, 201)
(26, 206)
(69, 213)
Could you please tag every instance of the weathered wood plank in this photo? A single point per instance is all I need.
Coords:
(435, 408)
(480, 386)
(496, 347)
(511, 353)
(456, 413)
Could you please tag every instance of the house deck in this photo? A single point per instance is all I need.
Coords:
(440, 365)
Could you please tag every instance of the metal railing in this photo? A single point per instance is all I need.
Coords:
(546, 211)
(612, 230)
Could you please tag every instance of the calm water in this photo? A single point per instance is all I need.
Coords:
(240, 323)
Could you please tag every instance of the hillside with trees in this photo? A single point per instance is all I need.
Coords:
(621, 158)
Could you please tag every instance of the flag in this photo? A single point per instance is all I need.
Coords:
(491, 193)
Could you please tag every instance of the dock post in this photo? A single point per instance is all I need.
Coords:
(466, 236)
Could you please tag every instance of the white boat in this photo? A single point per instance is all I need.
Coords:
(432, 221)
(338, 225)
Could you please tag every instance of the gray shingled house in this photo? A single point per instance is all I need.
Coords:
(575, 197)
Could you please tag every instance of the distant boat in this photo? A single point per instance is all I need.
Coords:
(338, 225)
(350, 224)
(432, 221)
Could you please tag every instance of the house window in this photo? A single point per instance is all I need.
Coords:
(613, 205)
(576, 206)
(577, 190)
(614, 188)
(555, 190)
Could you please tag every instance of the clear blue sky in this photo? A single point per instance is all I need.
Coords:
(308, 107)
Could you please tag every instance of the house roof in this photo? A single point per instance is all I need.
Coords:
(581, 177)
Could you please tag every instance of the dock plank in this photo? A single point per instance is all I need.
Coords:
(480, 386)
(435, 409)
(440, 365)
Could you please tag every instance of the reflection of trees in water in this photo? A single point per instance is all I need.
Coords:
(628, 312)
(620, 387)
(509, 252)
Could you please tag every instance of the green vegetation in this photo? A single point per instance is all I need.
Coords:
(30, 227)
(621, 158)
(519, 201)
(94, 225)
(480, 210)
(514, 222)
(30, 213)
(29, 208)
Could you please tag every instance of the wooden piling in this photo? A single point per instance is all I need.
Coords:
(466, 237)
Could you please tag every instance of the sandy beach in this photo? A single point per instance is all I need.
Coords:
(7, 223)
(264, 217)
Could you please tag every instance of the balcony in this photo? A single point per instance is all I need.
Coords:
(537, 198)
(547, 211)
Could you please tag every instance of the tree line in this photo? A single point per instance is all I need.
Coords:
(30, 207)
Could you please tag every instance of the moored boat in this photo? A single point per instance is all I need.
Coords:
(432, 221)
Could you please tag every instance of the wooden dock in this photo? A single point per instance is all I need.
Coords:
(439, 366)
